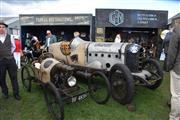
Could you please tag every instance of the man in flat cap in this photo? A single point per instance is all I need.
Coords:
(7, 62)
(50, 38)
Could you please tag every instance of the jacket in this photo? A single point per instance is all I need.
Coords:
(6, 48)
(53, 39)
(166, 42)
(173, 56)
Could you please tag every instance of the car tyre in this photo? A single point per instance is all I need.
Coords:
(122, 84)
(54, 101)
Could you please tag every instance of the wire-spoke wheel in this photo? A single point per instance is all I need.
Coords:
(54, 101)
(27, 75)
(99, 87)
(122, 83)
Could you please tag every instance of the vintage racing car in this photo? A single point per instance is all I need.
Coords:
(124, 64)
(105, 66)
(60, 84)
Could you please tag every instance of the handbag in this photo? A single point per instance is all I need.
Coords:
(162, 56)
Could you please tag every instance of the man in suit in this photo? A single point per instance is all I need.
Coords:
(50, 38)
(173, 65)
(7, 62)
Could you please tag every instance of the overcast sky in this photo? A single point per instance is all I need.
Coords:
(16, 7)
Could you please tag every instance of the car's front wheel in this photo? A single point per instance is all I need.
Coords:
(122, 84)
(54, 101)
(99, 87)
(156, 71)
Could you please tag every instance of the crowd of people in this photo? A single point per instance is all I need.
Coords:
(11, 51)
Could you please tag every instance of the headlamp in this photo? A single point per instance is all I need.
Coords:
(134, 48)
(71, 81)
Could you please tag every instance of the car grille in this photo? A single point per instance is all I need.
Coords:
(134, 60)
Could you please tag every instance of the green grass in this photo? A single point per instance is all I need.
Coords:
(150, 105)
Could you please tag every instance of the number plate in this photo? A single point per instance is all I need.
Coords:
(78, 98)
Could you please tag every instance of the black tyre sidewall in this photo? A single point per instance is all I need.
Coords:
(129, 83)
(108, 88)
(52, 87)
(159, 69)
(28, 88)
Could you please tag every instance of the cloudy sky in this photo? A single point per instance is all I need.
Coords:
(16, 7)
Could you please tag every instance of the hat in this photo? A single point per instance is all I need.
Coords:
(2, 23)
(76, 34)
(83, 34)
(163, 34)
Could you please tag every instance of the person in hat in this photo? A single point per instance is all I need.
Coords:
(76, 41)
(7, 62)
(50, 38)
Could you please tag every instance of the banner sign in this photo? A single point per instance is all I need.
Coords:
(131, 18)
(61, 19)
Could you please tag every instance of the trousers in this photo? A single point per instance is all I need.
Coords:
(8, 65)
(175, 96)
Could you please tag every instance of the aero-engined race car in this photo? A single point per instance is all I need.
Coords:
(124, 64)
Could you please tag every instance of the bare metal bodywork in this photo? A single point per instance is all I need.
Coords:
(104, 55)
(90, 53)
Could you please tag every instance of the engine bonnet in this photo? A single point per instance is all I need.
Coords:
(46, 67)
(106, 47)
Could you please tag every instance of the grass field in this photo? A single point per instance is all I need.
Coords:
(150, 105)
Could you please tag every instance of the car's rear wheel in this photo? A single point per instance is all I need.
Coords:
(99, 87)
(122, 84)
(27, 75)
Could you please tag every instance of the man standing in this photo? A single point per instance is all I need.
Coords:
(50, 38)
(173, 65)
(7, 62)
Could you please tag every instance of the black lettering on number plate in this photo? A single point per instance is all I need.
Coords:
(78, 98)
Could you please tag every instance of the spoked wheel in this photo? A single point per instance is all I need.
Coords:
(27, 75)
(99, 87)
(54, 101)
(122, 84)
(27, 58)
(156, 71)
(24, 60)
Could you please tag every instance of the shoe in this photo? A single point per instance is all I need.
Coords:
(17, 97)
(5, 96)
